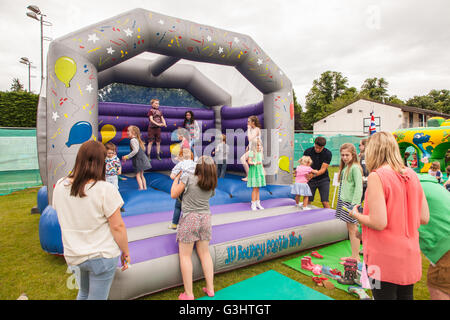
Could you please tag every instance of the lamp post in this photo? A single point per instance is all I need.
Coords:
(27, 62)
(34, 13)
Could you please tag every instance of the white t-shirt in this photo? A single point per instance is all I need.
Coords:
(84, 221)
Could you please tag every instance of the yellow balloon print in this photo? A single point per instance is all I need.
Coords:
(65, 69)
(175, 149)
(283, 163)
(108, 132)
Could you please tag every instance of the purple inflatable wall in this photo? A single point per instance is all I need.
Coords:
(119, 116)
(236, 118)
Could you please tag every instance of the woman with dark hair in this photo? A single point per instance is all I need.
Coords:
(92, 229)
(253, 135)
(192, 126)
(195, 225)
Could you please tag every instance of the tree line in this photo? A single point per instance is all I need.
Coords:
(331, 92)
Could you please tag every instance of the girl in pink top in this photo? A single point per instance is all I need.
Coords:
(300, 187)
(395, 207)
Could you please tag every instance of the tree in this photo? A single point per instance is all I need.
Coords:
(375, 89)
(324, 91)
(16, 86)
(298, 113)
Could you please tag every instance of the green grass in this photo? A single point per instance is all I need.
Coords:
(25, 267)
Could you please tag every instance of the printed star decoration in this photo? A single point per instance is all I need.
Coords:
(220, 50)
(236, 40)
(161, 21)
(93, 37)
(110, 50)
(128, 32)
(89, 88)
(208, 38)
(55, 116)
(259, 62)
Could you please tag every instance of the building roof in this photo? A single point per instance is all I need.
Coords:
(411, 109)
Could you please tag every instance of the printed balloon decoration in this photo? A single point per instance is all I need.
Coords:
(175, 149)
(65, 69)
(283, 163)
(108, 133)
(79, 133)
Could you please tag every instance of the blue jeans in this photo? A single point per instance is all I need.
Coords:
(96, 276)
(221, 170)
(176, 212)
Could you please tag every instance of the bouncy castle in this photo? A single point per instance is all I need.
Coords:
(69, 113)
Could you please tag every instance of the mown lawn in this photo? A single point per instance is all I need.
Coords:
(25, 267)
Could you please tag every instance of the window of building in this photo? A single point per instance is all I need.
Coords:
(366, 124)
(349, 110)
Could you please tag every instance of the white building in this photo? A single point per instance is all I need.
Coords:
(354, 119)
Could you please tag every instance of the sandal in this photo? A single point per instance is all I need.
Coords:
(336, 272)
(315, 254)
(323, 282)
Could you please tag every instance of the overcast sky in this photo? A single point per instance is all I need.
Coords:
(405, 41)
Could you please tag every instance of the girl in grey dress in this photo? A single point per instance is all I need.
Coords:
(138, 156)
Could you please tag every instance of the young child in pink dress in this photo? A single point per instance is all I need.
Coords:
(300, 188)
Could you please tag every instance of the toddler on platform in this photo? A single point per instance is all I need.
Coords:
(300, 188)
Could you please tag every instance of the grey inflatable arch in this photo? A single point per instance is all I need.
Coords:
(67, 111)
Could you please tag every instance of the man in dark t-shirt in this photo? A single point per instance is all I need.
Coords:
(321, 158)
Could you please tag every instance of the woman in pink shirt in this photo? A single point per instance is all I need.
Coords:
(300, 187)
(395, 207)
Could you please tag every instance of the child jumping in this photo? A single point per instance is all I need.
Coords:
(350, 191)
(185, 166)
(112, 163)
(137, 155)
(300, 188)
(256, 174)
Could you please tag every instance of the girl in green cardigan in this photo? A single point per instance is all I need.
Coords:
(350, 192)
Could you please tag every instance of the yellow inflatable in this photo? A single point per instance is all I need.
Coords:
(430, 143)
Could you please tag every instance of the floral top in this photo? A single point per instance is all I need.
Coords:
(112, 166)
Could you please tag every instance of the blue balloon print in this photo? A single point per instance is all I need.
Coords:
(79, 133)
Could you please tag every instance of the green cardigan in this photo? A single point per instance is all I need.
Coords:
(352, 186)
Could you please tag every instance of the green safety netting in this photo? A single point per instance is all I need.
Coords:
(305, 140)
(19, 167)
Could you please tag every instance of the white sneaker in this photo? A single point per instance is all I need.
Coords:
(254, 206)
(306, 208)
(259, 206)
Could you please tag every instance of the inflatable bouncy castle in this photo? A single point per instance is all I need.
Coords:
(430, 143)
(69, 114)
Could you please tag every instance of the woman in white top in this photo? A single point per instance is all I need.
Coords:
(253, 134)
(92, 229)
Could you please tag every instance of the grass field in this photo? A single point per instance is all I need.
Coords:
(25, 267)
